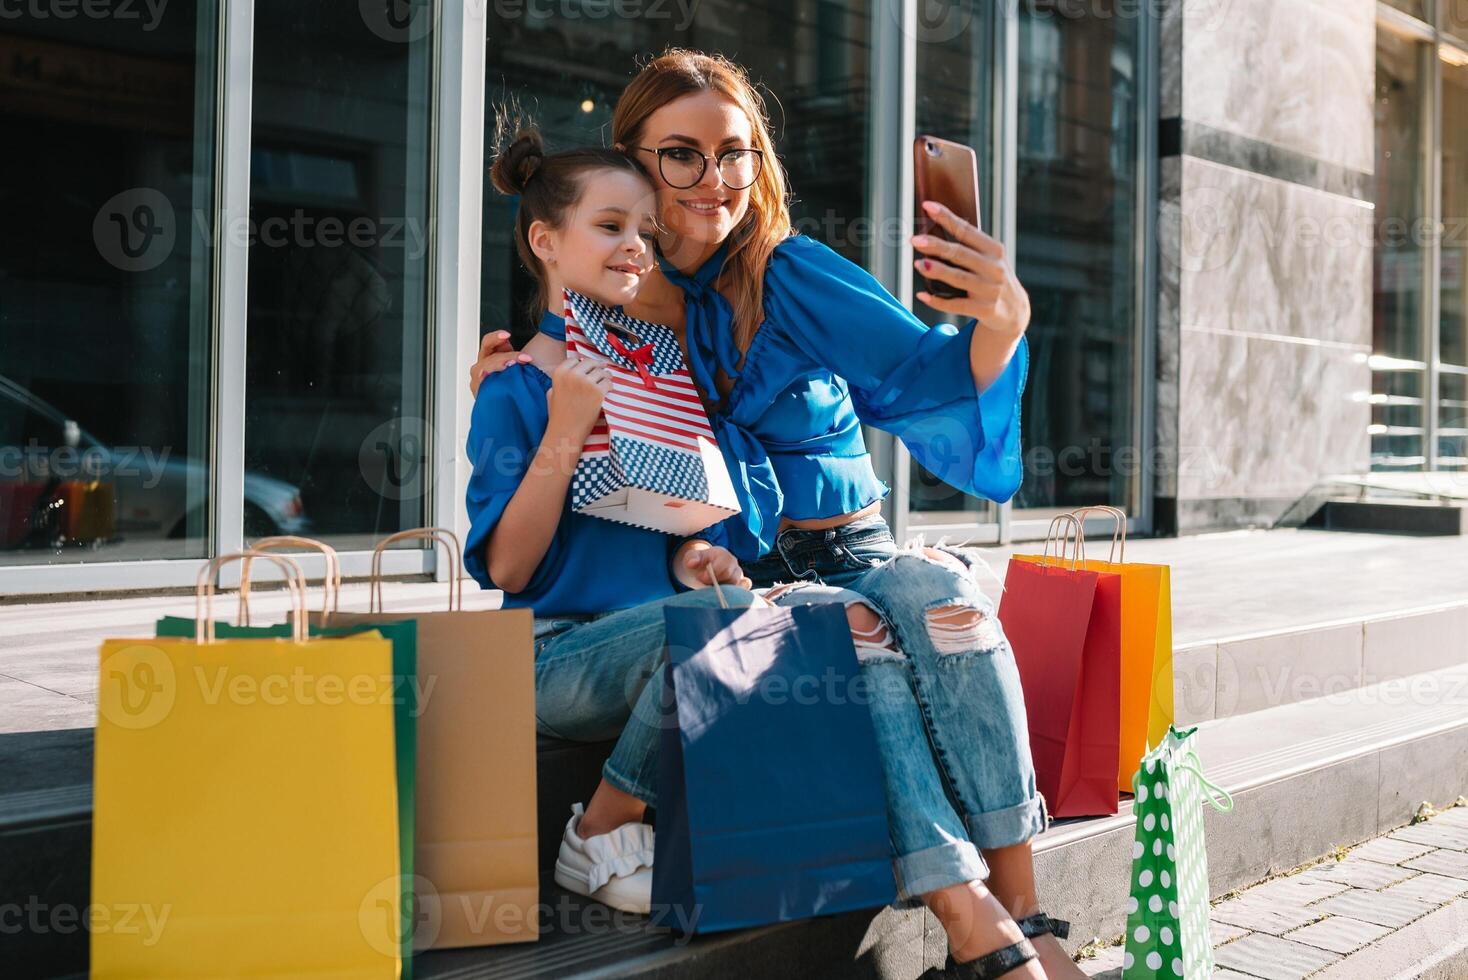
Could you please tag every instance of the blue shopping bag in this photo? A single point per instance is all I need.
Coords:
(770, 795)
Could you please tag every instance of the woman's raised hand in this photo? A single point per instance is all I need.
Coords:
(495, 354)
(976, 264)
(578, 386)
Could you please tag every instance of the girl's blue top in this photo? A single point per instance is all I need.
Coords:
(835, 350)
(552, 325)
(592, 565)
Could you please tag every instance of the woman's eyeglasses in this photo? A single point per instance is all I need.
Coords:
(683, 167)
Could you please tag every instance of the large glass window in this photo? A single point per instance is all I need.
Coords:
(337, 341)
(105, 281)
(1420, 354)
(1399, 380)
(1417, 8)
(565, 64)
(954, 101)
(1455, 17)
(1077, 251)
(1453, 326)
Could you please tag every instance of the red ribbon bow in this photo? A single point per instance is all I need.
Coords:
(641, 359)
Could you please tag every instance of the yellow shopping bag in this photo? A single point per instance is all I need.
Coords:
(1146, 647)
(245, 811)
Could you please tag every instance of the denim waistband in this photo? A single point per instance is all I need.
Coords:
(864, 530)
(801, 553)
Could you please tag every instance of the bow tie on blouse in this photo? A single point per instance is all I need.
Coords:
(709, 323)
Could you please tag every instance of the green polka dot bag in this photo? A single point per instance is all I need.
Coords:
(1167, 914)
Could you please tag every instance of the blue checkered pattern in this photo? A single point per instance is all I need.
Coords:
(645, 465)
(592, 317)
(594, 478)
(661, 469)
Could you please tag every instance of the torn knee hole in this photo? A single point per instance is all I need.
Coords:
(956, 629)
(779, 589)
(869, 634)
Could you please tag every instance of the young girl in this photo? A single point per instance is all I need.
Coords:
(598, 588)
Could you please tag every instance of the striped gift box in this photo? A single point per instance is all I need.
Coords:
(651, 460)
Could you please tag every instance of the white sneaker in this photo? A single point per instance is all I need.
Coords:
(614, 868)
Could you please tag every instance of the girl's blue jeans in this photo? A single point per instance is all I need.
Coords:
(946, 703)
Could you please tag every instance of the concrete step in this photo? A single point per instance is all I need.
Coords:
(1254, 671)
(1305, 778)
(45, 856)
(1220, 676)
(1384, 516)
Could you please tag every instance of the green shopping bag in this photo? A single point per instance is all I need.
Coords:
(404, 638)
(1167, 914)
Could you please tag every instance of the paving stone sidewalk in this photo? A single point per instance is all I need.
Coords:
(1349, 915)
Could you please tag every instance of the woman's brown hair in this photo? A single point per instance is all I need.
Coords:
(672, 75)
(548, 184)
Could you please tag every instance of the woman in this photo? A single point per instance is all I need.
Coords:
(795, 347)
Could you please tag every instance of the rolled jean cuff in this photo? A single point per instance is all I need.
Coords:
(938, 867)
(1003, 828)
(628, 786)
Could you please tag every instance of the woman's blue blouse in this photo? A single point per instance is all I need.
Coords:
(592, 565)
(835, 350)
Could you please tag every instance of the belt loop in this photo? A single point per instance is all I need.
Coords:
(780, 540)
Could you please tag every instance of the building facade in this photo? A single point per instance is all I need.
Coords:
(255, 247)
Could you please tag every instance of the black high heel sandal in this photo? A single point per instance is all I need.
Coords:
(1041, 924)
(990, 966)
(993, 965)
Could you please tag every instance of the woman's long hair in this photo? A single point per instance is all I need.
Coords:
(678, 72)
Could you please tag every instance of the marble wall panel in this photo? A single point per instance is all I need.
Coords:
(1297, 73)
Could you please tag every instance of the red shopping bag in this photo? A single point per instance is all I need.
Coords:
(1064, 625)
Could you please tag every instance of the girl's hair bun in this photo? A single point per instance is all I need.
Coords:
(516, 164)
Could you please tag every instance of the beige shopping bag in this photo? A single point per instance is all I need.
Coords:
(475, 860)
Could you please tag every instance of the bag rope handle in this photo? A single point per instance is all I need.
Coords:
(376, 602)
(204, 594)
(1079, 553)
(331, 582)
(1118, 533)
(1191, 763)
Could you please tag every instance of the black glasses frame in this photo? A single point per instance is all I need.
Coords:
(703, 160)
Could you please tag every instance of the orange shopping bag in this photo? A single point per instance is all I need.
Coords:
(1146, 647)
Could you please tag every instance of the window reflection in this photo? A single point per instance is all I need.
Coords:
(954, 99)
(1455, 17)
(339, 234)
(1398, 375)
(1420, 9)
(105, 287)
(1077, 251)
(1453, 351)
(566, 72)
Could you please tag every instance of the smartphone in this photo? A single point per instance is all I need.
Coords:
(946, 172)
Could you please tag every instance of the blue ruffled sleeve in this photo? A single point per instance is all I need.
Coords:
(905, 377)
(500, 447)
